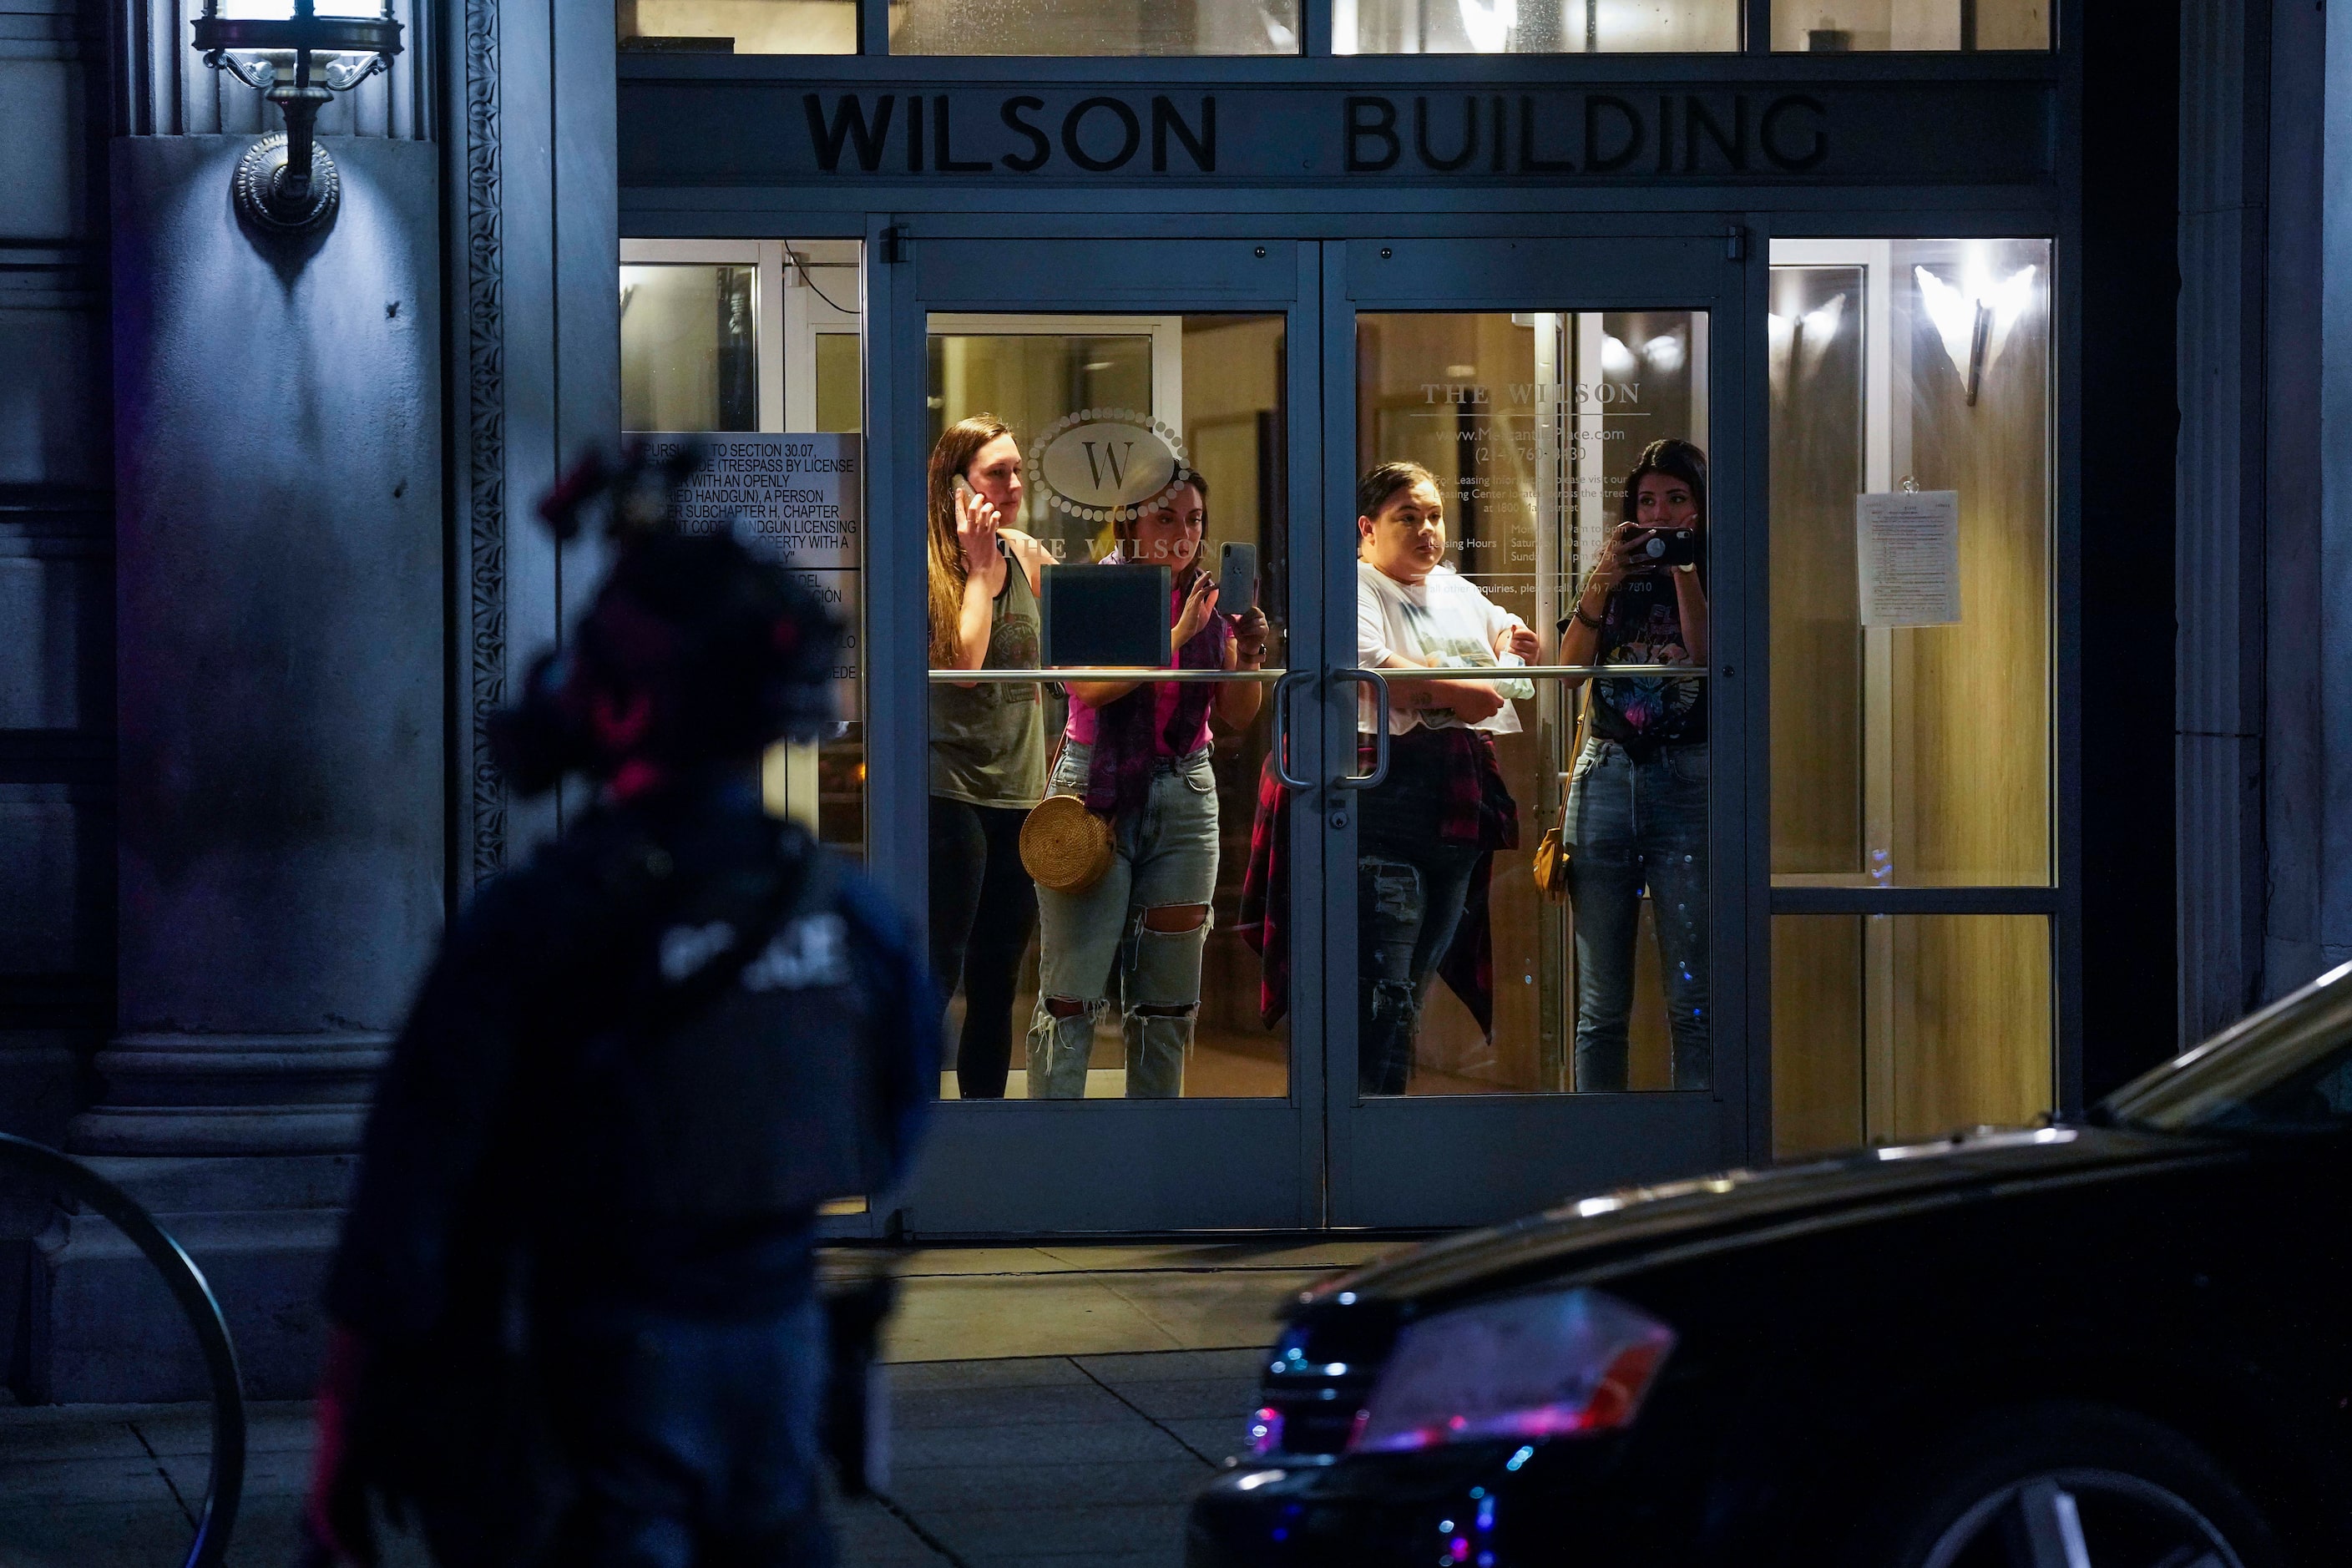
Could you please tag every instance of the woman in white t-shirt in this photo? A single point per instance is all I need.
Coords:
(1443, 807)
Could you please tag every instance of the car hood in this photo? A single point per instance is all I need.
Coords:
(1594, 1238)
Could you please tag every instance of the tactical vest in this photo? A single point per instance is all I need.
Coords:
(740, 1082)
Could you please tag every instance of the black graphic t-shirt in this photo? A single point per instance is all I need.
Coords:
(1642, 624)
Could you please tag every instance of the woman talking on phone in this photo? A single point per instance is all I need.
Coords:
(1138, 752)
(1637, 800)
(988, 740)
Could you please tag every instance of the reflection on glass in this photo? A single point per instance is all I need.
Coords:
(1836, 26)
(1142, 983)
(695, 356)
(1910, 754)
(1533, 26)
(689, 348)
(1888, 1028)
(738, 27)
(1530, 426)
(1095, 27)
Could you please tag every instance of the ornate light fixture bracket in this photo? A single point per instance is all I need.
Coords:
(286, 184)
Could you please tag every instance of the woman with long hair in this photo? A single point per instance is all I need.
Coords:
(988, 738)
(1138, 752)
(1637, 799)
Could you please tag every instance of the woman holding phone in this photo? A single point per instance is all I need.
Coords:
(1138, 752)
(988, 737)
(1637, 799)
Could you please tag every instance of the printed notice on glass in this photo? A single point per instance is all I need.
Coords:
(1907, 546)
(794, 496)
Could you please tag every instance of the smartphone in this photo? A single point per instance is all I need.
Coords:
(1667, 547)
(963, 487)
(1236, 579)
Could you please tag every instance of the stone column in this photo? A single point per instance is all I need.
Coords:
(280, 706)
(2220, 511)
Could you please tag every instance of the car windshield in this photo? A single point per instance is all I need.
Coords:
(2287, 1068)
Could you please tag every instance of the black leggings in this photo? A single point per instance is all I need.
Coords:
(983, 909)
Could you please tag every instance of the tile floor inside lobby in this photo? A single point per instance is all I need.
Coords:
(1053, 1404)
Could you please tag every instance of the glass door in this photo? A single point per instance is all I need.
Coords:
(1531, 458)
(1060, 418)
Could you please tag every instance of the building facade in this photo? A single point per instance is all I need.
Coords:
(2011, 333)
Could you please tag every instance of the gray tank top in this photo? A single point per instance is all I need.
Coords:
(988, 741)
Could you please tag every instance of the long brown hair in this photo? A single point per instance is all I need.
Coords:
(959, 444)
(1677, 459)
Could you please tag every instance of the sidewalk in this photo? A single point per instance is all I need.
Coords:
(1050, 1406)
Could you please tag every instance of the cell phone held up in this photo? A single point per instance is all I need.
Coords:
(1236, 579)
(1666, 547)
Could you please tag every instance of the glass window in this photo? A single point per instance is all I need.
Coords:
(1911, 568)
(1888, 1028)
(751, 344)
(738, 27)
(1136, 441)
(1527, 428)
(690, 347)
(1095, 27)
(1836, 27)
(1533, 26)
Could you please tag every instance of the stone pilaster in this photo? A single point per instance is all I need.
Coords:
(279, 629)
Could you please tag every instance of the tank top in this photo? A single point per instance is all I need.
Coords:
(988, 741)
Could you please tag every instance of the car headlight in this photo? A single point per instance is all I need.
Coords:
(1530, 1367)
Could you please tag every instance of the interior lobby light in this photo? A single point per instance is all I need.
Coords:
(1974, 317)
(298, 59)
(1488, 23)
(1616, 358)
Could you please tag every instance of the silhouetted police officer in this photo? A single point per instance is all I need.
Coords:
(574, 1299)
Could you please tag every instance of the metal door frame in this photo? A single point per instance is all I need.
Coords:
(1464, 1158)
(1013, 1166)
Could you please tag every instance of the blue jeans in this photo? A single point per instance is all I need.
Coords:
(1410, 901)
(1164, 855)
(1632, 825)
(694, 1439)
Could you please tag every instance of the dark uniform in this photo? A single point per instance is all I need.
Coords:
(576, 1293)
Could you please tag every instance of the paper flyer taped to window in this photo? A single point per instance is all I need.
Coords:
(1907, 546)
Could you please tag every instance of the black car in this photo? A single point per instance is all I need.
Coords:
(2120, 1344)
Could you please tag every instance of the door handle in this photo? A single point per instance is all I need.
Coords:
(1380, 685)
(1281, 689)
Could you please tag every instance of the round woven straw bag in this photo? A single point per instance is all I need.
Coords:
(1064, 845)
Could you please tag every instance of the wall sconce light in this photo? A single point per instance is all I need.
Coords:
(1974, 318)
(298, 61)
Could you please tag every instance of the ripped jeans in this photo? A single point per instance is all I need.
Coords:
(1410, 900)
(1165, 857)
(1631, 825)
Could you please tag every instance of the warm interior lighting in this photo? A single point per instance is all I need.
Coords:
(1488, 23)
(1974, 317)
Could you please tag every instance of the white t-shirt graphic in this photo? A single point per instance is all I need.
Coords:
(1442, 619)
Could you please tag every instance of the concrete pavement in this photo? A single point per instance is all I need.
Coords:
(1053, 1405)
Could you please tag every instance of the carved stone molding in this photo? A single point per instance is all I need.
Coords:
(486, 433)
